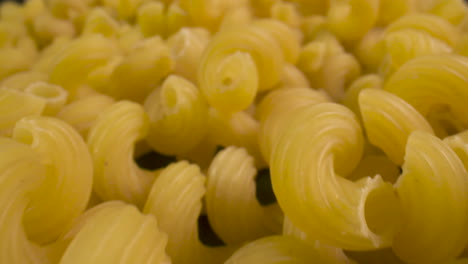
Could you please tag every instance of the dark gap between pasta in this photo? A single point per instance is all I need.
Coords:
(218, 149)
(382, 256)
(264, 188)
(206, 234)
(154, 160)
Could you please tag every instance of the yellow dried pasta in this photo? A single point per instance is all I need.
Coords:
(145, 131)
(68, 179)
(431, 167)
(231, 205)
(275, 249)
(178, 116)
(175, 200)
(261, 49)
(389, 121)
(10, 99)
(116, 176)
(82, 113)
(304, 176)
(428, 93)
(117, 233)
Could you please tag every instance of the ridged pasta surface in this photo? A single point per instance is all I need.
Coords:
(233, 131)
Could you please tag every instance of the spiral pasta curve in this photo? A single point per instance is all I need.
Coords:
(116, 176)
(305, 178)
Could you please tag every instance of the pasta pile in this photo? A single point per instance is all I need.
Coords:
(234, 131)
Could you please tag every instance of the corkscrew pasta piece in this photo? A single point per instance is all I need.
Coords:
(404, 45)
(289, 39)
(116, 176)
(56, 249)
(128, 37)
(436, 26)
(431, 167)
(236, 17)
(154, 18)
(65, 191)
(148, 62)
(202, 154)
(21, 80)
(459, 144)
(151, 18)
(238, 129)
(22, 171)
(238, 85)
(328, 66)
(312, 26)
(230, 87)
(54, 95)
(293, 77)
(451, 10)
(13, 60)
(287, 13)
(33, 8)
(11, 32)
(231, 204)
(100, 78)
(176, 18)
(276, 249)
(117, 233)
(371, 49)
(99, 21)
(178, 116)
(274, 108)
(69, 9)
(176, 201)
(187, 46)
(416, 35)
(326, 252)
(350, 20)
(10, 113)
(438, 92)
(391, 10)
(125, 9)
(46, 27)
(209, 13)
(82, 114)
(318, 146)
(73, 62)
(48, 57)
(389, 121)
(314, 7)
(351, 98)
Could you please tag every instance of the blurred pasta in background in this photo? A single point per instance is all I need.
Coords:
(234, 131)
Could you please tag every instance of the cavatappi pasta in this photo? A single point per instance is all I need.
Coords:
(111, 141)
(178, 116)
(231, 205)
(234, 131)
